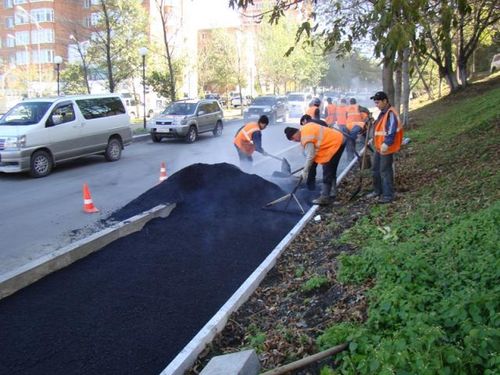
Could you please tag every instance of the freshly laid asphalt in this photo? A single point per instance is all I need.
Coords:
(132, 306)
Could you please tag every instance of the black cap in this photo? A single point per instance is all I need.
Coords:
(380, 95)
(290, 132)
(304, 119)
(264, 120)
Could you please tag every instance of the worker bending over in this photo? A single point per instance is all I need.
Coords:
(387, 137)
(357, 117)
(322, 145)
(248, 139)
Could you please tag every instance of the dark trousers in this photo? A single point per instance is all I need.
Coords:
(246, 161)
(383, 175)
(311, 177)
(330, 172)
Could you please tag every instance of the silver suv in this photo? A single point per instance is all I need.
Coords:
(187, 119)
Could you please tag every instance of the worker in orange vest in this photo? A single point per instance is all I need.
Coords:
(323, 146)
(313, 109)
(387, 137)
(248, 139)
(341, 114)
(357, 117)
(311, 177)
(330, 112)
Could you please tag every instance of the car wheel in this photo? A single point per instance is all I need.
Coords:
(113, 150)
(41, 164)
(155, 138)
(192, 134)
(218, 129)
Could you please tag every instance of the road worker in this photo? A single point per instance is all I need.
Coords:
(248, 139)
(341, 114)
(322, 145)
(313, 109)
(357, 117)
(387, 137)
(330, 112)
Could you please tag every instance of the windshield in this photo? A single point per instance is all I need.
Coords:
(180, 109)
(265, 100)
(296, 98)
(25, 113)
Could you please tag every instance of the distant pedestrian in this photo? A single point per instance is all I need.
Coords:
(322, 145)
(248, 139)
(387, 137)
(330, 112)
(313, 109)
(341, 114)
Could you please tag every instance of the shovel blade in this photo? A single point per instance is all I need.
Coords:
(285, 166)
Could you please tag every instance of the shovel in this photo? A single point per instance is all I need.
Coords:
(288, 197)
(285, 165)
(286, 174)
(358, 189)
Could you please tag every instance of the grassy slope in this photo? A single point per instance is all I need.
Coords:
(434, 255)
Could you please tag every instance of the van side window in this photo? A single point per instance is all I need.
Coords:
(65, 111)
(100, 107)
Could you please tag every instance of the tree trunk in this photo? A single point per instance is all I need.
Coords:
(406, 86)
(387, 78)
(399, 83)
(109, 63)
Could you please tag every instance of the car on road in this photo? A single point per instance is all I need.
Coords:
(236, 101)
(298, 103)
(188, 119)
(274, 107)
(495, 63)
(36, 134)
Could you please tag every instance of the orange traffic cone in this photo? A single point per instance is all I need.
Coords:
(163, 172)
(88, 205)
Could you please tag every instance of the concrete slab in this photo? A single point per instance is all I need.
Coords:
(240, 363)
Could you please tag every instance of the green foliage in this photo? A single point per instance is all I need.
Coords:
(434, 307)
(314, 283)
(255, 338)
(72, 80)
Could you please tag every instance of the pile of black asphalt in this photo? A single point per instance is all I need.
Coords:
(132, 306)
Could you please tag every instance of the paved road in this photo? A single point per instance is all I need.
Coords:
(41, 215)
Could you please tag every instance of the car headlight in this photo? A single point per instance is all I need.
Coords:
(184, 120)
(267, 109)
(14, 143)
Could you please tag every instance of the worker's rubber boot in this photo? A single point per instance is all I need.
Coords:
(324, 198)
(333, 192)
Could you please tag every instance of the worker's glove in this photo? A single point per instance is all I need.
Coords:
(304, 175)
(383, 148)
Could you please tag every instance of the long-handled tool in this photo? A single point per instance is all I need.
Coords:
(358, 189)
(286, 174)
(288, 197)
(285, 165)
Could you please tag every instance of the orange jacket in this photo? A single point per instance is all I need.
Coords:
(326, 141)
(243, 139)
(341, 114)
(381, 132)
(355, 117)
(331, 110)
(311, 111)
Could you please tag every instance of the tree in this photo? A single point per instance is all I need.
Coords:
(73, 80)
(116, 37)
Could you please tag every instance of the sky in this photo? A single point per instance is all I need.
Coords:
(214, 14)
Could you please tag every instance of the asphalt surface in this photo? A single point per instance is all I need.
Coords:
(131, 307)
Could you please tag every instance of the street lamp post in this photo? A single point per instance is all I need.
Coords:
(143, 51)
(58, 60)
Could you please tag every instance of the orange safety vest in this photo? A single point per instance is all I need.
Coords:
(331, 109)
(326, 141)
(355, 117)
(341, 114)
(243, 139)
(380, 133)
(311, 111)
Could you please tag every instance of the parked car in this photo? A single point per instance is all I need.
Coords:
(36, 134)
(298, 103)
(270, 105)
(187, 119)
(236, 101)
(495, 63)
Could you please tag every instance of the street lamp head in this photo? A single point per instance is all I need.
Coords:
(58, 60)
(143, 51)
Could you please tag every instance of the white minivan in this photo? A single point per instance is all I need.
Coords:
(36, 134)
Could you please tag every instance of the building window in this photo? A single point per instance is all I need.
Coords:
(12, 59)
(10, 41)
(22, 18)
(7, 4)
(94, 18)
(46, 56)
(43, 14)
(95, 2)
(22, 38)
(9, 22)
(19, 2)
(39, 1)
(22, 58)
(86, 3)
(42, 36)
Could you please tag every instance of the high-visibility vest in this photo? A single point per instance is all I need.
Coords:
(331, 109)
(243, 139)
(341, 114)
(311, 111)
(380, 133)
(355, 117)
(326, 141)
